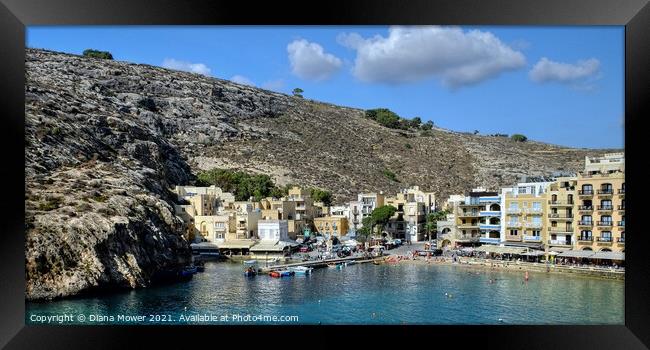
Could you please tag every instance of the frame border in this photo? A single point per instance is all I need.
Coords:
(16, 14)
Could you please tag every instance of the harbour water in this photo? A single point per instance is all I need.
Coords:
(356, 294)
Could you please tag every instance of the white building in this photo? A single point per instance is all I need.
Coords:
(273, 230)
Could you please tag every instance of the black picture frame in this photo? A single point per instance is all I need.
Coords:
(16, 14)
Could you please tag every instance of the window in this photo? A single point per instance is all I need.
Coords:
(537, 206)
(585, 235)
(513, 232)
(606, 236)
(606, 219)
(536, 233)
(606, 204)
(537, 220)
(587, 189)
(219, 235)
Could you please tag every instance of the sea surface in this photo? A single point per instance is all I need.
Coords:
(356, 294)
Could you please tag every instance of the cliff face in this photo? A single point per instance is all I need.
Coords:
(105, 141)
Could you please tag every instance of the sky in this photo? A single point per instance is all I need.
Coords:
(560, 85)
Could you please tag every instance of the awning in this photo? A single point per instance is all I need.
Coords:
(204, 245)
(576, 254)
(236, 244)
(532, 245)
(558, 250)
(533, 253)
(609, 255)
(276, 246)
(500, 250)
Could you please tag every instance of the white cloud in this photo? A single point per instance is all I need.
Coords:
(546, 71)
(309, 61)
(275, 85)
(199, 68)
(410, 54)
(240, 79)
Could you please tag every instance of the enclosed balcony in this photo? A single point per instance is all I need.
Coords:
(490, 213)
(513, 211)
(488, 240)
(561, 229)
(585, 223)
(586, 239)
(585, 193)
(558, 242)
(558, 203)
(604, 223)
(585, 208)
(604, 239)
(560, 215)
(490, 226)
(532, 238)
(605, 208)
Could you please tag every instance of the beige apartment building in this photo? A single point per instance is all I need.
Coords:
(331, 225)
(560, 217)
(525, 209)
(601, 204)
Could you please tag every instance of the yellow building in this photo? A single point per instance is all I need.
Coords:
(560, 216)
(601, 204)
(525, 211)
(331, 225)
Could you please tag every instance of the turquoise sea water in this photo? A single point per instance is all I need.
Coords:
(357, 294)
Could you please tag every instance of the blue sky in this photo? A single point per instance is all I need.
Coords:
(561, 85)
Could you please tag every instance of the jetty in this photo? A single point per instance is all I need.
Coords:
(318, 263)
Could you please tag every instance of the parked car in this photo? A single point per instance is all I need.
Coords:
(305, 249)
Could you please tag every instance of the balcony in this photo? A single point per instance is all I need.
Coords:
(585, 223)
(514, 224)
(534, 211)
(490, 213)
(621, 191)
(533, 238)
(566, 229)
(513, 211)
(490, 227)
(561, 203)
(604, 239)
(470, 205)
(621, 224)
(560, 216)
(533, 225)
(621, 207)
(604, 208)
(558, 242)
(585, 192)
(585, 208)
(468, 226)
(620, 240)
(468, 214)
(604, 223)
(489, 240)
(605, 192)
(585, 239)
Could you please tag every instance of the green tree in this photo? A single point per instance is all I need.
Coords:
(415, 122)
(381, 215)
(241, 184)
(427, 126)
(319, 195)
(298, 92)
(518, 138)
(98, 54)
(432, 219)
(366, 230)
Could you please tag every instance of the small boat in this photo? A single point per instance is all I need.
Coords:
(301, 270)
(351, 262)
(375, 262)
(188, 271)
(250, 272)
(200, 266)
(281, 273)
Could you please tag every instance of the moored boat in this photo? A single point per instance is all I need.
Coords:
(301, 270)
(281, 273)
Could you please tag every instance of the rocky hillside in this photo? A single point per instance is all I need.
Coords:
(105, 140)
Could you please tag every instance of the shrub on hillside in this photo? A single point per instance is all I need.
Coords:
(98, 54)
(519, 138)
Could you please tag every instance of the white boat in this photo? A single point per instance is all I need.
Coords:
(351, 262)
(301, 270)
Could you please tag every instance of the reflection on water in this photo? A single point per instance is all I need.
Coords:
(369, 294)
